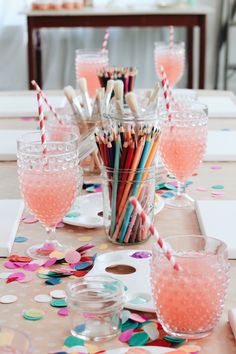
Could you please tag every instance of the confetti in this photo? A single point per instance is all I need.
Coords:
(29, 219)
(23, 259)
(201, 189)
(80, 328)
(138, 339)
(84, 238)
(78, 349)
(33, 314)
(21, 239)
(141, 254)
(174, 339)
(50, 262)
(124, 337)
(168, 195)
(216, 167)
(103, 246)
(56, 254)
(42, 298)
(137, 351)
(58, 303)
(129, 325)
(58, 294)
(63, 312)
(83, 265)
(27, 279)
(60, 225)
(8, 299)
(73, 341)
(190, 348)
(15, 277)
(72, 257)
(217, 194)
(136, 318)
(151, 330)
(217, 186)
(72, 215)
(91, 348)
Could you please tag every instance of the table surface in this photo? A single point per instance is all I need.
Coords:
(135, 10)
(48, 333)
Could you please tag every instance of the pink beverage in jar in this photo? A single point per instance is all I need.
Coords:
(87, 64)
(172, 59)
(189, 302)
(49, 194)
(56, 130)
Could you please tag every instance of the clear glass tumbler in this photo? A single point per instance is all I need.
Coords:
(48, 183)
(14, 341)
(87, 64)
(96, 303)
(182, 146)
(172, 59)
(189, 302)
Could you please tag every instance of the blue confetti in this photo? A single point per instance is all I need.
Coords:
(80, 328)
(53, 281)
(20, 239)
(168, 195)
(225, 129)
(82, 265)
(188, 183)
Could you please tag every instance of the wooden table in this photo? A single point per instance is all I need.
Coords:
(181, 16)
(48, 333)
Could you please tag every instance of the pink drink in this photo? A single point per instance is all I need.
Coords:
(49, 194)
(182, 149)
(189, 302)
(87, 64)
(172, 60)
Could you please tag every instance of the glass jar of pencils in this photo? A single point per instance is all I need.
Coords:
(122, 223)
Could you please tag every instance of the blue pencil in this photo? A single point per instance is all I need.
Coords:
(137, 180)
(115, 186)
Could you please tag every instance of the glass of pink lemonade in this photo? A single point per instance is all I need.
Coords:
(87, 64)
(48, 183)
(13, 341)
(189, 302)
(172, 59)
(182, 146)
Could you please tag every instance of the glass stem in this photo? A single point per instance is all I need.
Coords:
(181, 189)
(50, 234)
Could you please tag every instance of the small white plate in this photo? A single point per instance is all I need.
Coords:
(138, 294)
(88, 206)
(151, 350)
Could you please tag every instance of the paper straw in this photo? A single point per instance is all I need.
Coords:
(165, 91)
(105, 41)
(161, 243)
(41, 123)
(171, 37)
(52, 109)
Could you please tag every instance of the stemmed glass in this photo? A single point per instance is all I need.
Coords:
(48, 183)
(182, 146)
(172, 59)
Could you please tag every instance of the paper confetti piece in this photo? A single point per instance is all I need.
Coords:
(72, 341)
(216, 167)
(201, 189)
(63, 312)
(136, 318)
(33, 314)
(50, 262)
(21, 239)
(58, 294)
(84, 238)
(217, 186)
(138, 339)
(27, 279)
(29, 219)
(190, 348)
(92, 348)
(128, 325)
(124, 337)
(80, 328)
(58, 303)
(42, 298)
(83, 265)
(217, 194)
(8, 299)
(57, 254)
(72, 257)
(151, 330)
(103, 246)
(15, 277)
(72, 215)
(141, 254)
(125, 316)
(78, 349)
(174, 339)
(23, 259)
(137, 351)
(168, 195)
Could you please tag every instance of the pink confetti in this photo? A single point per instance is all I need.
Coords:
(217, 194)
(31, 267)
(98, 189)
(60, 225)
(216, 167)
(201, 189)
(125, 336)
(27, 279)
(173, 183)
(50, 262)
(18, 275)
(29, 219)
(63, 312)
(136, 318)
(10, 265)
(72, 257)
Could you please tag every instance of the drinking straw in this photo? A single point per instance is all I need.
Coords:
(42, 123)
(166, 95)
(105, 40)
(52, 109)
(161, 243)
(135, 187)
(115, 186)
(171, 37)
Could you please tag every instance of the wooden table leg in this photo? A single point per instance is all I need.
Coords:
(190, 56)
(31, 56)
(202, 51)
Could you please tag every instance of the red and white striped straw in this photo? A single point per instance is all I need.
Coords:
(164, 84)
(169, 90)
(105, 40)
(171, 36)
(42, 123)
(161, 243)
(52, 109)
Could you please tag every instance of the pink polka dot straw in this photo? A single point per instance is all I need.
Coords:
(162, 244)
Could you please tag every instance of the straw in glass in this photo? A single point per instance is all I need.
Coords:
(161, 243)
(165, 91)
(42, 123)
(105, 41)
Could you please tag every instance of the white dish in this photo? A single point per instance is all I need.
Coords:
(138, 293)
(221, 146)
(88, 206)
(219, 106)
(151, 350)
